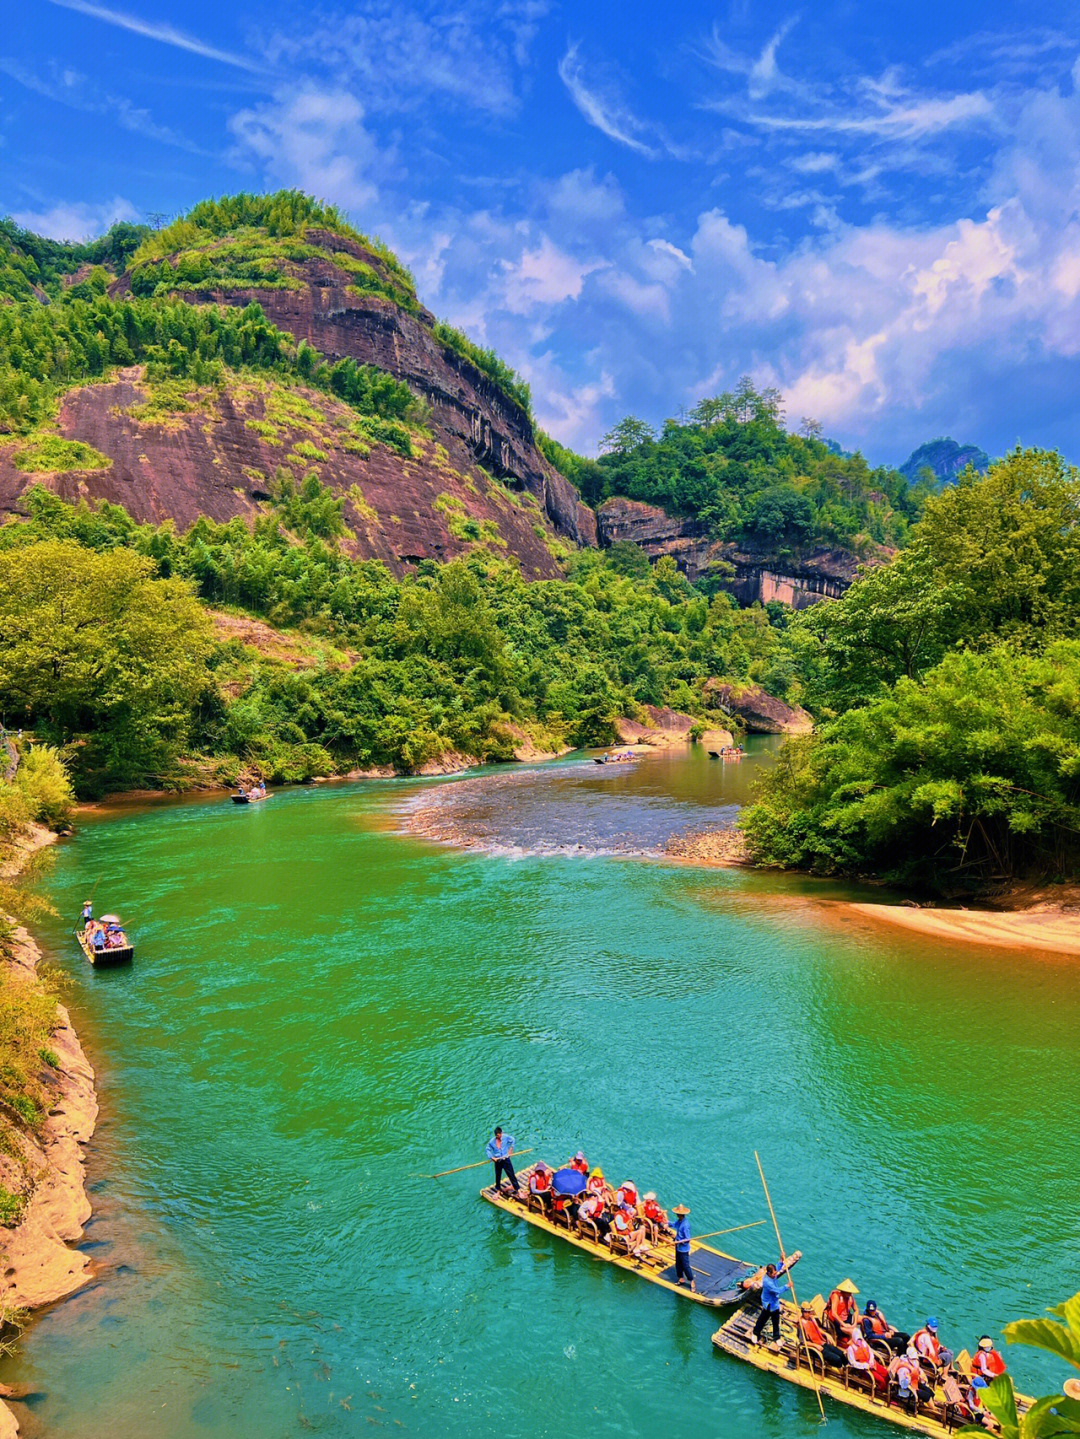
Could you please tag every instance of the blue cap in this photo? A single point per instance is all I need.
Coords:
(978, 1382)
(871, 1307)
(931, 1323)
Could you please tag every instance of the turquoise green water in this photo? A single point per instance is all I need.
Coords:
(322, 1008)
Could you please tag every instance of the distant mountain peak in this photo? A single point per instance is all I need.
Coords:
(946, 458)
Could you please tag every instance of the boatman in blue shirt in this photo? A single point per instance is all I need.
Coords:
(499, 1148)
(683, 1270)
(771, 1289)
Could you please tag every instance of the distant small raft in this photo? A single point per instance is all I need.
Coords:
(719, 1277)
(104, 958)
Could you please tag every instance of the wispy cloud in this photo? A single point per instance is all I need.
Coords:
(908, 118)
(762, 72)
(78, 221)
(601, 108)
(67, 86)
(156, 30)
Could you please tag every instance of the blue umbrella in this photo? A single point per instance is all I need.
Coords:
(568, 1181)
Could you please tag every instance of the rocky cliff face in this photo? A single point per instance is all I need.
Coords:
(818, 574)
(945, 458)
(218, 458)
(476, 424)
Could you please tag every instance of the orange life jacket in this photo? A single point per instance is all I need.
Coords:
(540, 1182)
(908, 1374)
(627, 1194)
(812, 1333)
(654, 1212)
(875, 1322)
(622, 1221)
(988, 1363)
(859, 1353)
(590, 1206)
(840, 1306)
(580, 1165)
(926, 1344)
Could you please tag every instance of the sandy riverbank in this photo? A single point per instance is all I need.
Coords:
(1054, 927)
(39, 1264)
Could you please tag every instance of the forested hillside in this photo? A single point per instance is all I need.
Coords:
(952, 675)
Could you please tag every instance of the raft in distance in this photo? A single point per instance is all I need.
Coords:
(939, 1417)
(719, 1277)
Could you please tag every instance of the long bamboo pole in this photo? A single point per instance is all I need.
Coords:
(478, 1165)
(799, 1341)
(715, 1234)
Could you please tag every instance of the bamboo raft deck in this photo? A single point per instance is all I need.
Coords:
(938, 1418)
(718, 1276)
(104, 958)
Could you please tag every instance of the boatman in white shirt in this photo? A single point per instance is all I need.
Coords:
(499, 1148)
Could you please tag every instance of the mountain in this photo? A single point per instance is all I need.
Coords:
(945, 458)
(168, 436)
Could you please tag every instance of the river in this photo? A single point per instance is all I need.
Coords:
(327, 1003)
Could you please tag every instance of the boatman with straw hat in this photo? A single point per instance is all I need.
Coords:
(683, 1270)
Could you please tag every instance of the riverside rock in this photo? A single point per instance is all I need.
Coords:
(760, 712)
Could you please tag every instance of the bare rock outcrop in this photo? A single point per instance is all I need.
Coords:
(761, 713)
(755, 575)
(664, 727)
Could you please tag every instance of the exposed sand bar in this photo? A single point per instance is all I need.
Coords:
(1052, 929)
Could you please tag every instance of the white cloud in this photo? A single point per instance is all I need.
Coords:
(545, 275)
(314, 138)
(151, 30)
(581, 195)
(602, 108)
(76, 221)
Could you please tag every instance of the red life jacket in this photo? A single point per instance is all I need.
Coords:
(540, 1182)
(654, 1212)
(580, 1165)
(597, 1185)
(590, 1206)
(622, 1221)
(627, 1194)
(988, 1363)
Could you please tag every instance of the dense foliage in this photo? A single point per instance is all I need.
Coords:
(31, 265)
(496, 369)
(955, 758)
(46, 349)
(397, 672)
(732, 465)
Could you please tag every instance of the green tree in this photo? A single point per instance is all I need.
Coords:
(628, 435)
(1054, 1416)
(101, 657)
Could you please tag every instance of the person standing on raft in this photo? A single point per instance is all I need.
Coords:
(499, 1148)
(683, 1270)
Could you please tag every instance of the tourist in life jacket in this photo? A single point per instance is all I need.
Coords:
(540, 1183)
(811, 1333)
(592, 1209)
(925, 1342)
(841, 1312)
(580, 1163)
(627, 1194)
(650, 1208)
(911, 1385)
(876, 1326)
(626, 1224)
(986, 1362)
(597, 1184)
(975, 1407)
(862, 1358)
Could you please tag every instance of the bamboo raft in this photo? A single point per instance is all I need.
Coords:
(803, 1365)
(103, 958)
(719, 1277)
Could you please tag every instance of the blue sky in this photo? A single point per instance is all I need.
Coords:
(874, 208)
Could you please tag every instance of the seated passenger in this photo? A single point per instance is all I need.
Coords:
(986, 1362)
(975, 1407)
(97, 938)
(592, 1209)
(876, 1326)
(597, 1184)
(811, 1333)
(580, 1163)
(652, 1211)
(540, 1183)
(841, 1312)
(863, 1359)
(626, 1224)
(925, 1343)
(627, 1194)
(910, 1382)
